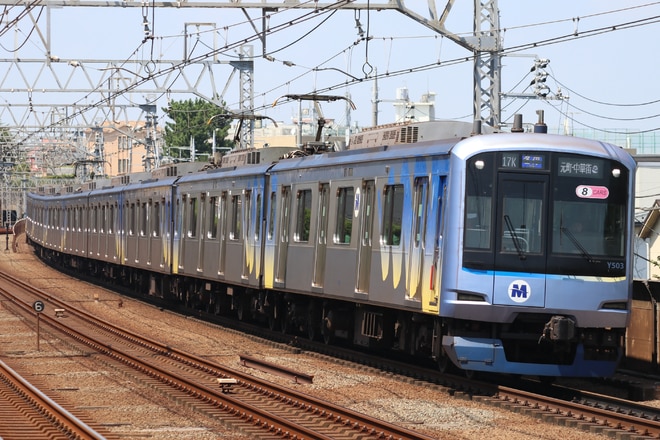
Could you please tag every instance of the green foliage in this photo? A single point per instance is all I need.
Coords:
(191, 118)
(6, 137)
(7, 145)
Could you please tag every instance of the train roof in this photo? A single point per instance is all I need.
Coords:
(542, 142)
(389, 142)
(348, 157)
(412, 132)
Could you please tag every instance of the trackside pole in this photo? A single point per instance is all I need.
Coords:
(38, 307)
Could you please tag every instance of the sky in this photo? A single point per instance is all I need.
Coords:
(603, 58)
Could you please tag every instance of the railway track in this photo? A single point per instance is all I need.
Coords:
(27, 413)
(593, 415)
(253, 406)
(615, 418)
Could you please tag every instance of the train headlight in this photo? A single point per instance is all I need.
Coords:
(616, 172)
(479, 164)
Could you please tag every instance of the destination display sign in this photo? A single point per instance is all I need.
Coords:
(585, 167)
(526, 161)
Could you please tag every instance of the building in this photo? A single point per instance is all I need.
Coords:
(648, 251)
(647, 216)
(121, 149)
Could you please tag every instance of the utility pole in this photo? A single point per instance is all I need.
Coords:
(152, 157)
(540, 90)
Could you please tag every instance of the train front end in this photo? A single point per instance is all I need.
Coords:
(538, 278)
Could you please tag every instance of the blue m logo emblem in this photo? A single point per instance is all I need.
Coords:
(519, 291)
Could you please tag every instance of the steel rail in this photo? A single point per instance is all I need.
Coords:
(52, 414)
(340, 416)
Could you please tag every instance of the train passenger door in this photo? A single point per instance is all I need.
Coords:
(366, 210)
(95, 229)
(128, 229)
(104, 232)
(247, 210)
(270, 246)
(121, 228)
(417, 244)
(431, 298)
(522, 202)
(256, 240)
(321, 235)
(150, 231)
(157, 231)
(179, 232)
(203, 233)
(183, 216)
(284, 235)
(222, 232)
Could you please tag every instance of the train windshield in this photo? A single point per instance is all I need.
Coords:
(548, 213)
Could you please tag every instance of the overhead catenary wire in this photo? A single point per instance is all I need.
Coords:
(177, 67)
(419, 68)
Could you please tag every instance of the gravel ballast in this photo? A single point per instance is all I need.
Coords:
(130, 409)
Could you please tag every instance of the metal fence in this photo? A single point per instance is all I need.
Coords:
(643, 143)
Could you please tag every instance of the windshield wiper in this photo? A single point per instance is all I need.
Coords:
(587, 256)
(514, 237)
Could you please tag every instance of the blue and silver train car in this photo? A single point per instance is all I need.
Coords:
(504, 253)
(536, 273)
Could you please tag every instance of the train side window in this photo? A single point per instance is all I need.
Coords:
(113, 219)
(103, 227)
(257, 227)
(284, 220)
(421, 187)
(131, 221)
(111, 216)
(192, 216)
(155, 219)
(392, 215)
(271, 215)
(203, 223)
(236, 215)
(143, 219)
(248, 212)
(222, 216)
(303, 215)
(344, 223)
(95, 219)
(213, 218)
(177, 218)
(323, 213)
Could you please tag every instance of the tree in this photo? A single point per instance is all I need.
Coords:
(655, 263)
(195, 118)
(8, 148)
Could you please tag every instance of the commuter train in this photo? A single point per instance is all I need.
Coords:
(498, 252)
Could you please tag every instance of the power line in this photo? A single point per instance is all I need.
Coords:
(404, 71)
(640, 104)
